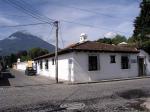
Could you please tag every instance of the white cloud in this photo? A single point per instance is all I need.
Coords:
(6, 21)
(120, 22)
(110, 35)
(12, 38)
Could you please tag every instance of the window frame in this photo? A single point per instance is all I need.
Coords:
(53, 61)
(41, 64)
(126, 64)
(112, 60)
(97, 62)
(46, 64)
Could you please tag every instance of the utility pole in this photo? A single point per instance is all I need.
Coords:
(56, 51)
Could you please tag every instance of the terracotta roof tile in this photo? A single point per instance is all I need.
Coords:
(93, 46)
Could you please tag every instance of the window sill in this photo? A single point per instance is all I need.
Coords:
(125, 68)
(93, 70)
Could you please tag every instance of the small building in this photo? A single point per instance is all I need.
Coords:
(23, 65)
(92, 61)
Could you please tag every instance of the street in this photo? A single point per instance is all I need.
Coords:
(22, 93)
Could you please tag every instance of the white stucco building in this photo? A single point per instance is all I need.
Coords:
(21, 65)
(93, 61)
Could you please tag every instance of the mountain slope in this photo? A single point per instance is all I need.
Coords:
(19, 41)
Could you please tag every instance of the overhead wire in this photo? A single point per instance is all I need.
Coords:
(86, 10)
(24, 10)
(35, 10)
(51, 37)
(90, 26)
(60, 35)
(29, 12)
(87, 25)
(21, 25)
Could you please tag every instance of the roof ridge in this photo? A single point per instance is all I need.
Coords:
(78, 44)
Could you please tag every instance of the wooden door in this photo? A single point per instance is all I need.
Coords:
(141, 66)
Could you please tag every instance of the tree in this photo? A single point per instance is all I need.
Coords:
(35, 52)
(118, 39)
(105, 40)
(146, 46)
(142, 22)
(25, 58)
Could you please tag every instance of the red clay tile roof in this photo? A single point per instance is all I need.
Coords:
(93, 46)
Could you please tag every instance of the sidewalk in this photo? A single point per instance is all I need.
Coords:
(22, 80)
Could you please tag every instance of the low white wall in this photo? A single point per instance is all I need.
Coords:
(63, 68)
(106, 70)
(21, 66)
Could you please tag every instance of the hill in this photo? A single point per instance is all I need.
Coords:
(20, 41)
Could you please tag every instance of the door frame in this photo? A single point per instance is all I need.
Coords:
(141, 66)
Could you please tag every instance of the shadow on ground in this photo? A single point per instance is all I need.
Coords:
(4, 81)
(137, 96)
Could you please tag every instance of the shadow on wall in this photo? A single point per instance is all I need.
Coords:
(80, 74)
(143, 53)
(4, 81)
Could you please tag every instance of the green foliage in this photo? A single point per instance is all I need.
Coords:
(22, 53)
(35, 52)
(142, 22)
(105, 40)
(118, 39)
(13, 58)
(25, 58)
(146, 46)
(131, 40)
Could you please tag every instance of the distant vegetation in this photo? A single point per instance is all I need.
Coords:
(24, 55)
(116, 40)
(141, 34)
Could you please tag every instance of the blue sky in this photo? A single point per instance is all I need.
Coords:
(107, 18)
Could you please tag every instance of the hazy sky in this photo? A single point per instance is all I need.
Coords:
(97, 18)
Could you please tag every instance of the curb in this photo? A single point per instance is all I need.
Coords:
(102, 81)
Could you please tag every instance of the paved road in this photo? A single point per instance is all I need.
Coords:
(40, 94)
(19, 79)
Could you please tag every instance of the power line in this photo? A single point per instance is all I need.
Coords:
(34, 15)
(12, 15)
(60, 35)
(90, 26)
(23, 25)
(51, 37)
(25, 10)
(35, 10)
(87, 10)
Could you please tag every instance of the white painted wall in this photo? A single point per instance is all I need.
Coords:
(106, 71)
(65, 71)
(147, 61)
(77, 71)
(21, 66)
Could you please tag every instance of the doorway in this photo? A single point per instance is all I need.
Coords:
(141, 66)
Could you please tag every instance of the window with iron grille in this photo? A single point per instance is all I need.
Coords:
(46, 64)
(112, 59)
(41, 65)
(53, 61)
(124, 62)
(93, 63)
